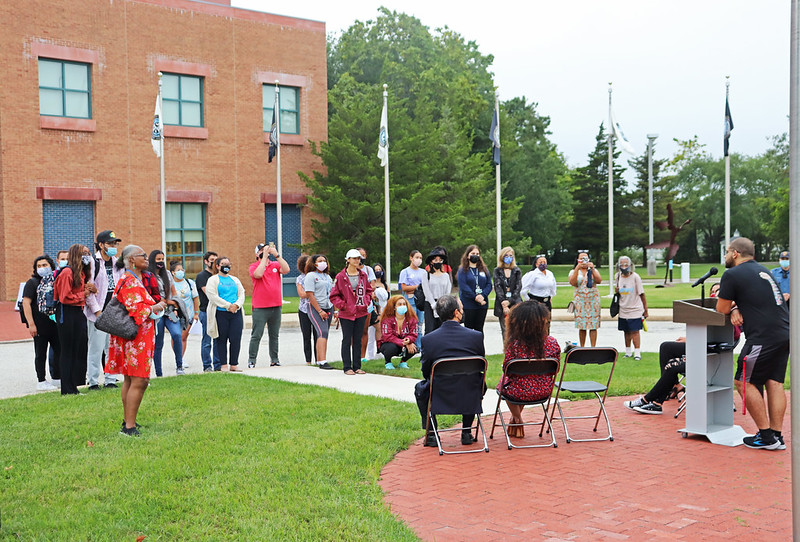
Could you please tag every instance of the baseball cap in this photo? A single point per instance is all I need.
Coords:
(260, 247)
(784, 255)
(352, 253)
(107, 236)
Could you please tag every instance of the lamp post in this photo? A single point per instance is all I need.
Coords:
(651, 261)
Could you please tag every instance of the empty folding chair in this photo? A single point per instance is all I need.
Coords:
(586, 356)
(457, 386)
(547, 369)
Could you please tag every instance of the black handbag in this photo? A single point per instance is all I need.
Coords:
(614, 308)
(116, 321)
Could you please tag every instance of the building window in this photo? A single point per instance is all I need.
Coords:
(291, 219)
(289, 106)
(65, 89)
(65, 223)
(182, 99)
(186, 235)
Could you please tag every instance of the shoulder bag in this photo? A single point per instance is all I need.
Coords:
(116, 321)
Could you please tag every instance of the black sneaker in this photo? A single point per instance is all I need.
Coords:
(467, 438)
(251, 364)
(137, 425)
(648, 408)
(782, 445)
(111, 385)
(94, 387)
(430, 440)
(325, 366)
(759, 442)
(132, 432)
(275, 364)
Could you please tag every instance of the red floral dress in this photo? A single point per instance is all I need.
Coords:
(529, 387)
(133, 357)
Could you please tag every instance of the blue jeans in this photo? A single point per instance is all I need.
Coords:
(174, 329)
(420, 320)
(205, 344)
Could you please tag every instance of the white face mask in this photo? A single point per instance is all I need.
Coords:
(322, 266)
(418, 261)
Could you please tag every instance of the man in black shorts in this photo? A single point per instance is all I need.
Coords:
(748, 293)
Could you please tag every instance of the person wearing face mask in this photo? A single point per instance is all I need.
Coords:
(507, 280)
(309, 332)
(157, 266)
(632, 305)
(317, 286)
(410, 279)
(539, 284)
(474, 287)
(437, 282)
(41, 327)
(781, 275)
(207, 353)
(584, 277)
(351, 295)
(372, 326)
(186, 290)
(105, 277)
(61, 261)
(225, 322)
(70, 290)
(398, 332)
(380, 295)
(267, 301)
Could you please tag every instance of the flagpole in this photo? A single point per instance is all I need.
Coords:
(161, 160)
(610, 197)
(727, 177)
(794, 227)
(497, 177)
(278, 199)
(386, 216)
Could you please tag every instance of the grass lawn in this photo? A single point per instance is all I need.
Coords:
(221, 458)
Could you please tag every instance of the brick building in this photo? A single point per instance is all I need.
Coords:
(79, 86)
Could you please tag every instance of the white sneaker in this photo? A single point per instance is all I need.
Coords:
(45, 386)
(180, 372)
(56, 383)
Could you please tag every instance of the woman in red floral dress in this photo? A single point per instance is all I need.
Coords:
(132, 358)
(528, 337)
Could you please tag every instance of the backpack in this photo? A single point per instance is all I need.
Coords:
(45, 297)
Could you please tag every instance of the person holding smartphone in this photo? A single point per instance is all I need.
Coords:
(585, 278)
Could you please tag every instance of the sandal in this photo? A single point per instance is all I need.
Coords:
(349, 372)
(360, 372)
(673, 394)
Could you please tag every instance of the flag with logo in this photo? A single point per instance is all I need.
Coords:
(383, 138)
(624, 144)
(158, 129)
(494, 136)
(273, 131)
(728, 127)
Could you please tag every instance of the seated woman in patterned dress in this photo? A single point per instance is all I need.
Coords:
(133, 358)
(527, 337)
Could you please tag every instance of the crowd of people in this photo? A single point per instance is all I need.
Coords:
(63, 301)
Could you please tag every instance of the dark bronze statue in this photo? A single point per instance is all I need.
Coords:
(669, 224)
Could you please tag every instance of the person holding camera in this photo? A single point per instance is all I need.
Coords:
(266, 274)
(585, 278)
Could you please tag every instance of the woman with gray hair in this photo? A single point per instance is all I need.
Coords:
(132, 358)
(632, 305)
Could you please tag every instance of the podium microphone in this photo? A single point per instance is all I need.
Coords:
(711, 272)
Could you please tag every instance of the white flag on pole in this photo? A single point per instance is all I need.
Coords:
(158, 129)
(383, 138)
(624, 144)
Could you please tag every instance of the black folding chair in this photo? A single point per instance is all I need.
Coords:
(586, 356)
(457, 386)
(546, 368)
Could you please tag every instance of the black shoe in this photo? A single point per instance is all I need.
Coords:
(467, 438)
(251, 364)
(111, 385)
(137, 425)
(132, 432)
(275, 364)
(430, 440)
(94, 387)
(325, 366)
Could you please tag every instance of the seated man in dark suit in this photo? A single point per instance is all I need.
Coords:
(451, 340)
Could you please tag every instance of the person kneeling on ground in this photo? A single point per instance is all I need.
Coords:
(398, 332)
(449, 341)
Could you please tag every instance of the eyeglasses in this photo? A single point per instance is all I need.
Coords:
(140, 256)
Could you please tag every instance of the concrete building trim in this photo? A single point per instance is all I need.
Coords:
(189, 196)
(62, 52)
(69, 193)
(287, 198)
(67, 123)
(186, 68)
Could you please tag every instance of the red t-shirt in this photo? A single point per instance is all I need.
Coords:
(268, 290)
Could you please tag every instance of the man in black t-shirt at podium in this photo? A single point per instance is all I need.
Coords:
(748, 293)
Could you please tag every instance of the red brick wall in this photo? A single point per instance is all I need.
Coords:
(130, 39)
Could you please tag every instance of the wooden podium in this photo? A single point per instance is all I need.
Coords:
(709, 375)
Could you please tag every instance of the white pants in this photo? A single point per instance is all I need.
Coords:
(98, 343)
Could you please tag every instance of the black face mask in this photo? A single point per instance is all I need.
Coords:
(160, 265)
(379, 274)
(437, 265)
(363, 261)
(225, 269)
(474, 258)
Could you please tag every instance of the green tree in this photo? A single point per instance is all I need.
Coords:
(441, 189)
(535, 172)
(589, 190)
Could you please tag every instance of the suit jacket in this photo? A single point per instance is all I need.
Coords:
(451, 340)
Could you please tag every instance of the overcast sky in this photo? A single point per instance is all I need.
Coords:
(667, 60)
